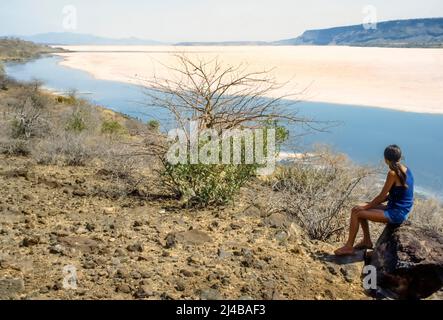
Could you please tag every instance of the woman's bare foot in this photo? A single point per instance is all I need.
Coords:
(345, 251)
(364, 245)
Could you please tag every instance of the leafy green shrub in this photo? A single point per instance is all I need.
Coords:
(214, 184)
(76, 122)
(153, 125)
(200, 184)
(112, 127)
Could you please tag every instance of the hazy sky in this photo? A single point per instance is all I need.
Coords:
(201, 20)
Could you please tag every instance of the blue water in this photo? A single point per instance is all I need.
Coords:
(362, 133)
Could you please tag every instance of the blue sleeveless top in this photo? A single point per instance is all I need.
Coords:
(402, 198)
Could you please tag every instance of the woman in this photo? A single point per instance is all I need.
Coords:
(398, 191)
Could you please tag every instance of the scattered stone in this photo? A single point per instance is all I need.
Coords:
(30, 241)
(135, 248)
(109, 210)
(57, 249)
(137, 224)
(144, 291)
(89, 264)
(180, 286)
(90, 227)
(123, 288)
(119, 252)
(236, 226)
(186, 273)
(79, 193)
(170, 241)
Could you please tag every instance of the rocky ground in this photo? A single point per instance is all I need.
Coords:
(56, 219)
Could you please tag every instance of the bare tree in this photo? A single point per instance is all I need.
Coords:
(219, 96)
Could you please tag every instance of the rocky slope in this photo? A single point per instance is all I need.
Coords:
(421, 33)
(140, 247)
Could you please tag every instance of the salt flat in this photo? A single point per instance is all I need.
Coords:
(396, 78)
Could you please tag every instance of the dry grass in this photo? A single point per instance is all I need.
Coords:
(320, 191)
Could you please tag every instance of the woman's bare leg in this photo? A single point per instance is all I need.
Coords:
(374, 215)
(367, 242)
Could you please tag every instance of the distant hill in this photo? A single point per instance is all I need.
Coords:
(12, 49)
(426, 33)
(66, 38)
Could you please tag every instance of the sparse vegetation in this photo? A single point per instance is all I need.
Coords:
(153, 125)
(319, 192)
(112, 128)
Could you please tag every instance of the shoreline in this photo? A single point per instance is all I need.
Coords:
(367, 83)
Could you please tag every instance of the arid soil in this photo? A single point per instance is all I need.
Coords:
(142, 247)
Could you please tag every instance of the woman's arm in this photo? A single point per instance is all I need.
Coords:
(382, 197)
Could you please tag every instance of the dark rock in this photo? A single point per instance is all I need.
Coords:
(235, 226)
(180, 286)
(122, 274)
(144, 291)
(79, 193)
(30, 241)
(170, 241)
(187, 273)
(89, 264)
(135, 248)
(57, 249)
(123, 288)
(119, 252)
(409, 262)
(137, 224)
(90, 227)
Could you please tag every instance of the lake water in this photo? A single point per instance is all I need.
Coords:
(363, 132)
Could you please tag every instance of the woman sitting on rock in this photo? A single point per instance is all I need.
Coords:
(398, 191)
